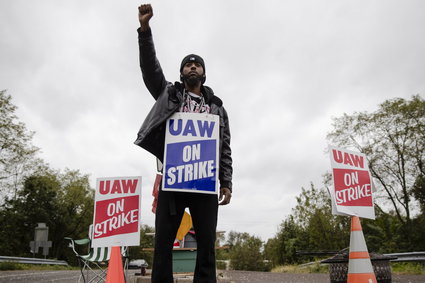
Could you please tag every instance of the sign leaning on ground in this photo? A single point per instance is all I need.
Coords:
(117, 212)
(191, 153)
(352, 193)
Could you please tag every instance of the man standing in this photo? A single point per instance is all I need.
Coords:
(191, 95)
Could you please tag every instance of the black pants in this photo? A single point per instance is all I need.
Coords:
(203, 209)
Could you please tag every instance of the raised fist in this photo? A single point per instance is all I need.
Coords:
(145, 14)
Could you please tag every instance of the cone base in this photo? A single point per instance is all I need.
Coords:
(361, 278)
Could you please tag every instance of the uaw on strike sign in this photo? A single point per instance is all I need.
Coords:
(191, 153)
(352, 194)
(117, 212)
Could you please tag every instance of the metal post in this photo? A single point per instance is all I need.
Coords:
(41, 235)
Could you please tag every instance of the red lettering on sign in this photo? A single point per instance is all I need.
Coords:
(337, 154)
(357, 160)
(348, 158)
(129, 185)
(118, 187)
(104, 188)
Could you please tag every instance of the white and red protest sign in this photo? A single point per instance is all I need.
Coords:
(117, 212)
(352, 194)
(191, 153)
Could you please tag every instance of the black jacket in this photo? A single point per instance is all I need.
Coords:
(169, 97)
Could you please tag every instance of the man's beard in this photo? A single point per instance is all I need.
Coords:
(192, 80)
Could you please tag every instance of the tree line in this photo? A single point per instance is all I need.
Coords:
(392, 137)
(32, 192)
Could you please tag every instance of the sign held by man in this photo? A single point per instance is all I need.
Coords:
(191, 153)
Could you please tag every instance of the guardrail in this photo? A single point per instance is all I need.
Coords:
(29, 260)
(405, 257)
(401, 257)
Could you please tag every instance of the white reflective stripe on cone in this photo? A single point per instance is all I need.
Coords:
(360, 265)
(357, 242)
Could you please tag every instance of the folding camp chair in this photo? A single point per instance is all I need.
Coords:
(93, 266)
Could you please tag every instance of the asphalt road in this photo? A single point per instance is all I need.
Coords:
(267, 277)
(33, 276)
(71, 276)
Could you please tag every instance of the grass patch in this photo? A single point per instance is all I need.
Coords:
(411, 268)
(312, 268)
(10, 266)
(400, 268)
(20, 266)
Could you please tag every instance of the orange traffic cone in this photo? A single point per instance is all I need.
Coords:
(115, 269)
(359, 265)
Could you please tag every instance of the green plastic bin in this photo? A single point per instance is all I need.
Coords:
(184, 260)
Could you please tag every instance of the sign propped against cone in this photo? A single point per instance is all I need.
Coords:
(352, 192)
(115, 270)
(360, 267)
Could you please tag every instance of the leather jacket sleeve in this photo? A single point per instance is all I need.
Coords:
(153, 75)
(226, 169)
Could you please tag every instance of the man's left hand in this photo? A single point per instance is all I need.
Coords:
(225, 196)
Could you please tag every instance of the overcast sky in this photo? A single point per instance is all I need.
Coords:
(282, 68)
